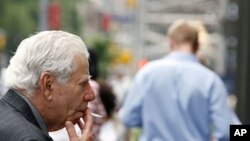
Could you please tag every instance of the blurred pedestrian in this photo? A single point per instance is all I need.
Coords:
(176, 98)
(48, 81)
(96, 105)
(120, 83)
(112, 129)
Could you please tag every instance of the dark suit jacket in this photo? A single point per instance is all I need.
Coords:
(17, 122)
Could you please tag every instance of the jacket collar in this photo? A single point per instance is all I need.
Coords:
(16, 101)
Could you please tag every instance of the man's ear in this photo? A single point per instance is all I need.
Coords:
(45, 82)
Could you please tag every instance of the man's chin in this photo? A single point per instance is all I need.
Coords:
(56, 128)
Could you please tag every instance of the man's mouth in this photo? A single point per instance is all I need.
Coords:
(76, 116)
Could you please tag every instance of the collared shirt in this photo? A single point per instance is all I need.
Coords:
(177, 99)
(37, 115)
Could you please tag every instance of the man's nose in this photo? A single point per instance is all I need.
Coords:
(90, 94)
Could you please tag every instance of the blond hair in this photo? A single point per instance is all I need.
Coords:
(184, 31)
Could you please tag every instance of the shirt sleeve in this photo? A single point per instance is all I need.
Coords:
(131, 111)
(221, 114)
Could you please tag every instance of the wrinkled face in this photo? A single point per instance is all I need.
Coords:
(71, 99)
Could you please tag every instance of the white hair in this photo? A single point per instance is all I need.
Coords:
(51, 51)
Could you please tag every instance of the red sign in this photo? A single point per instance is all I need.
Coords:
(105, 22)
(54, 16)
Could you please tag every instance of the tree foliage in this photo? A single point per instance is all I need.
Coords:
(102, 48)
(20, 18)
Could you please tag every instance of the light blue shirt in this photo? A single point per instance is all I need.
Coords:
(177, 99)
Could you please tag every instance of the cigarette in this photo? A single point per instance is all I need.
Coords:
(96, 115)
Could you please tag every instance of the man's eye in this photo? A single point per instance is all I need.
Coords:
(83, 83)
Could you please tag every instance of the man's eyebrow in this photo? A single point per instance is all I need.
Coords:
(84, 79)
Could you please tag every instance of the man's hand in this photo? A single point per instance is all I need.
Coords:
(86, 128)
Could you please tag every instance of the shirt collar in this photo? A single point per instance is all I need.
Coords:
(183, 56)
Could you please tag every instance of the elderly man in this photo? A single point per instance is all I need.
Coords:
(48, 81)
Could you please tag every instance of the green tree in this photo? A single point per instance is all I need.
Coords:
(70, 19)
(18, 20)
(102, 47)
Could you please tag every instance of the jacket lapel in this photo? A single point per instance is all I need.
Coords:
(16, 101)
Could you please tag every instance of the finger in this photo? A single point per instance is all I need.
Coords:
(81, 125)
(88, 123)
(88, 120)
(71, 131)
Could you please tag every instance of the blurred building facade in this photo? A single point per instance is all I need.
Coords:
(242, 32)
(138, 28)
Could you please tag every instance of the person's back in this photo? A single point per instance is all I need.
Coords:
(177, 99)
(182, 98)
